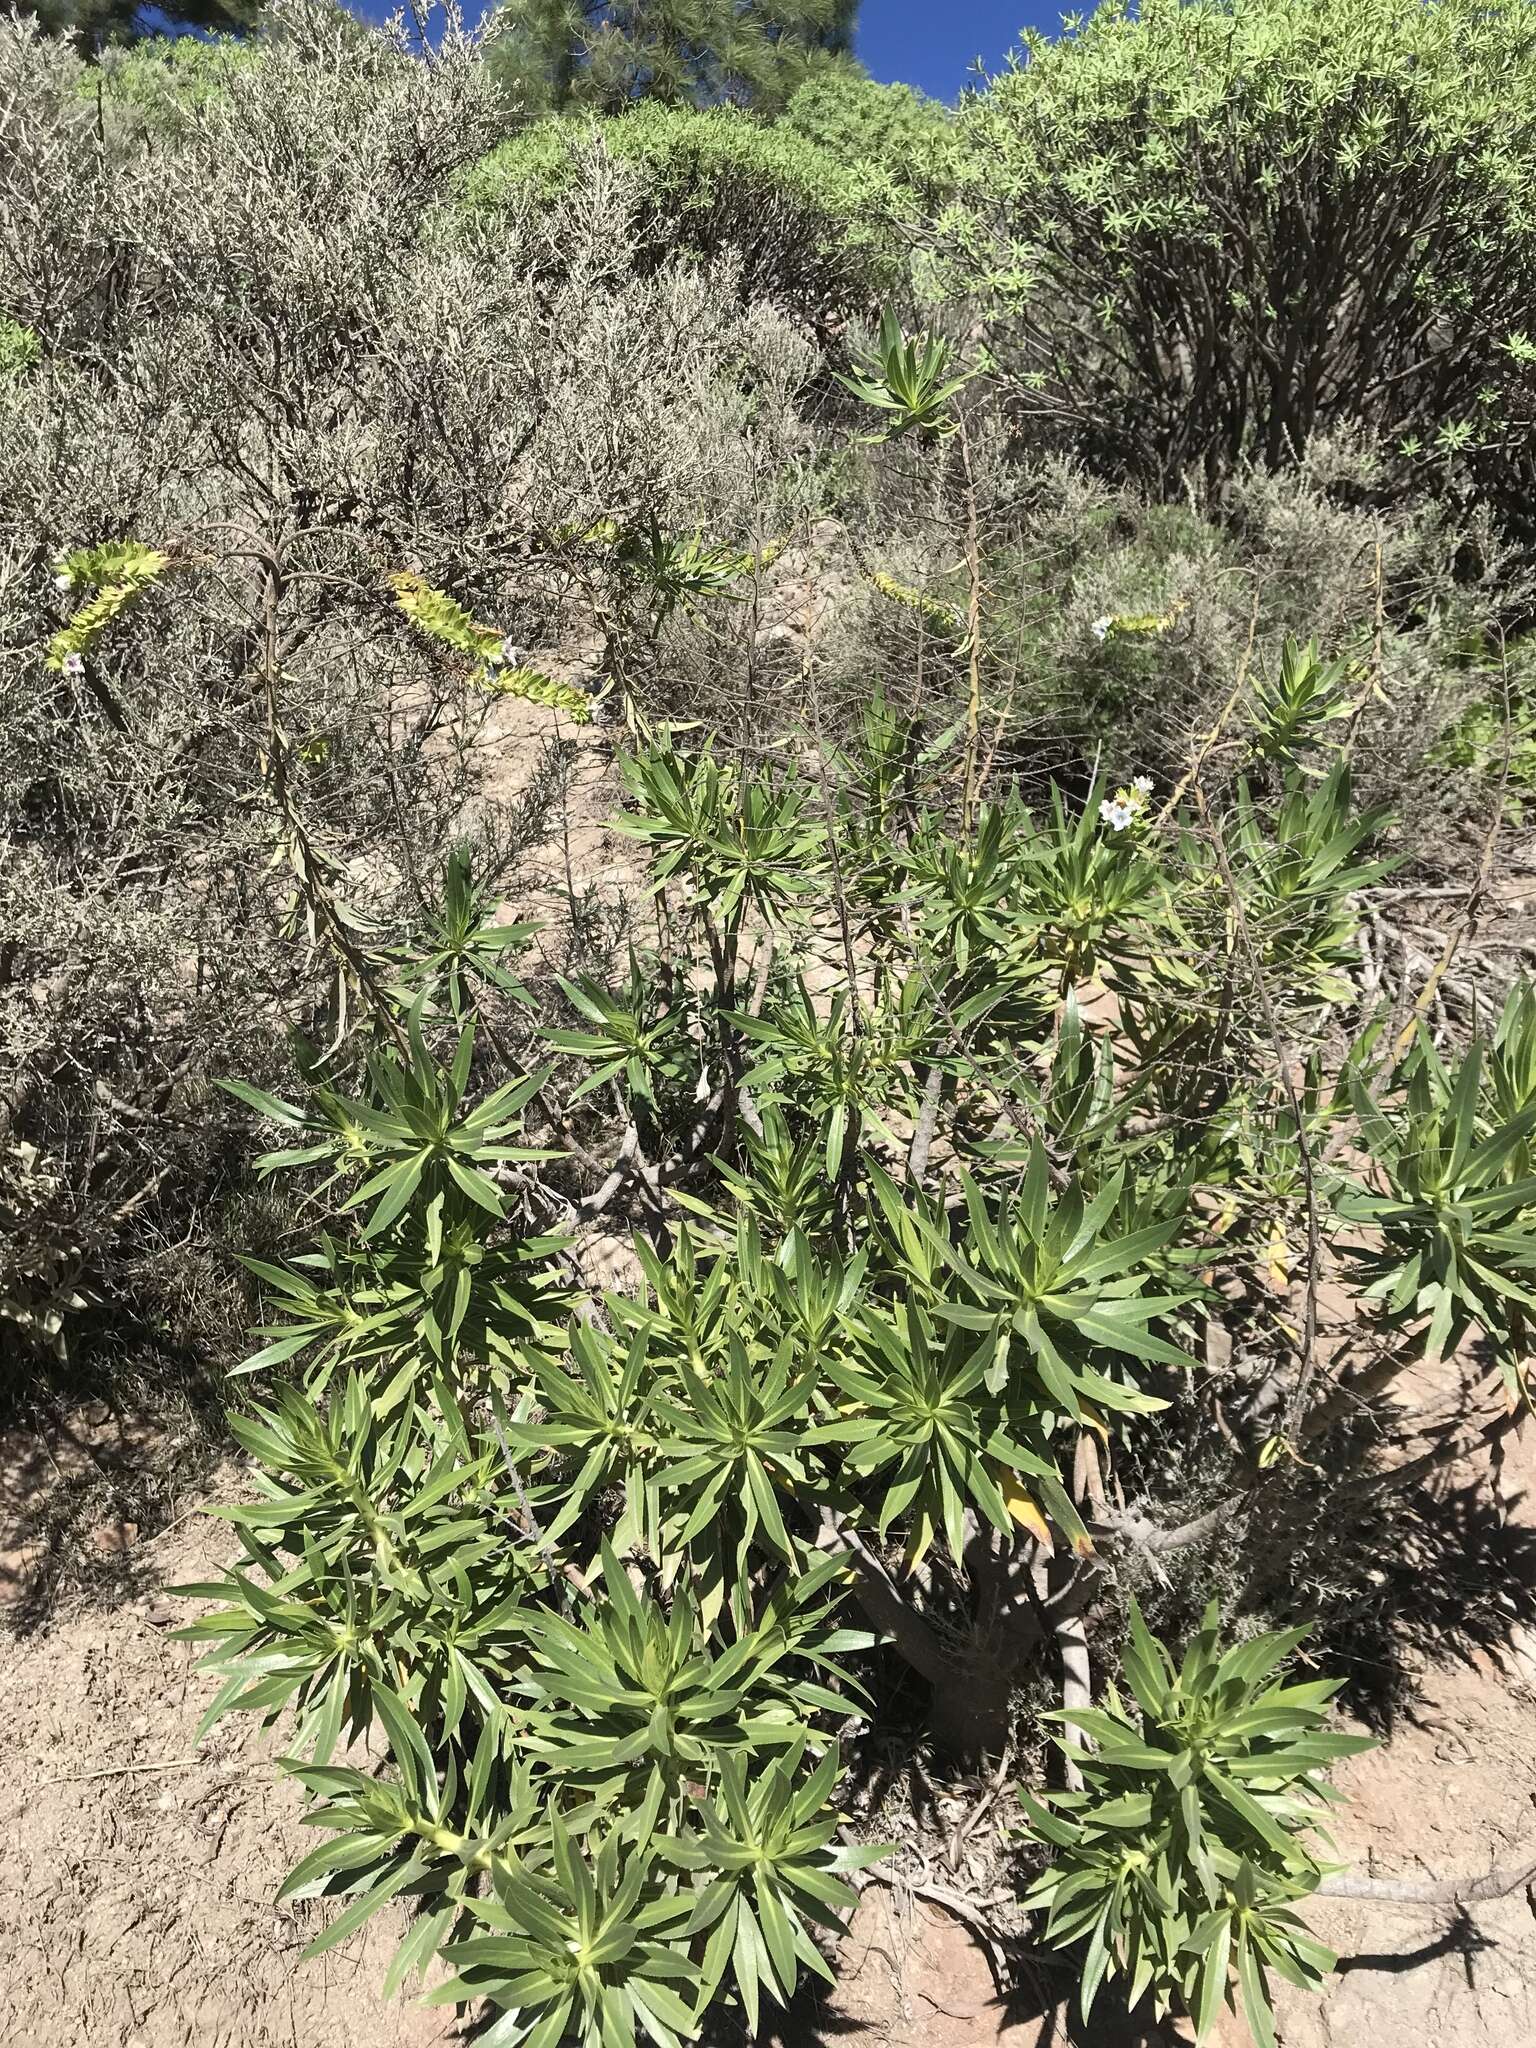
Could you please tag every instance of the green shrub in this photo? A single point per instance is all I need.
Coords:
(19, 348)
(158, 86)
(1203, 233)
(1182, 1854)
(809, 229)
(858, 118)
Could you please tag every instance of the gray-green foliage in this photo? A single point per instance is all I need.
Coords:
(1204, 232)
(808, 226)
(1289, 554)
(151, 861)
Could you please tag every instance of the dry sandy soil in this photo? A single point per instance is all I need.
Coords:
(137, 1868)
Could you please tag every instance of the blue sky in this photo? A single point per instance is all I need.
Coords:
(932, 43)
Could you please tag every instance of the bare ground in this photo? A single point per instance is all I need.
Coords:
(138, 1869)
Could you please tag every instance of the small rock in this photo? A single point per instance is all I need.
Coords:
(112, 1538)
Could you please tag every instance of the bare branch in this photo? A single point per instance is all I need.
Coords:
(1447, 1891)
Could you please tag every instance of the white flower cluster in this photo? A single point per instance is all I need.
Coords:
(1126, 806)
(508, 652)
(74, 666)
(63, 578)
(1100, 627)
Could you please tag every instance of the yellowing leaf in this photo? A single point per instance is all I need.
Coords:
(1022, 1507)
(1277, 1263)
(920, 1542)
(1095, 1422)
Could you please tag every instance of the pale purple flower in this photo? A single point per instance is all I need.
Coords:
(1115, 814)
(1100, 627)
(74, 666)
(1142, 783)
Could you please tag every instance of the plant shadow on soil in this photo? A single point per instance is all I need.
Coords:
(1460, 1937)
(1449, 1574)
(94, 1462)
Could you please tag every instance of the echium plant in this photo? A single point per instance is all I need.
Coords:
(1293, 712)
(911, 1271)
(567, 1728)
(1453, 1245)
(1195, 1828)
(909, 380)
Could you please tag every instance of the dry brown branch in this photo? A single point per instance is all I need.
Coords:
(175, 1763)
(1133, 1528)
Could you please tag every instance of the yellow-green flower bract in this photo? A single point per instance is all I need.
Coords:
(437, 615)
(118, 571)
